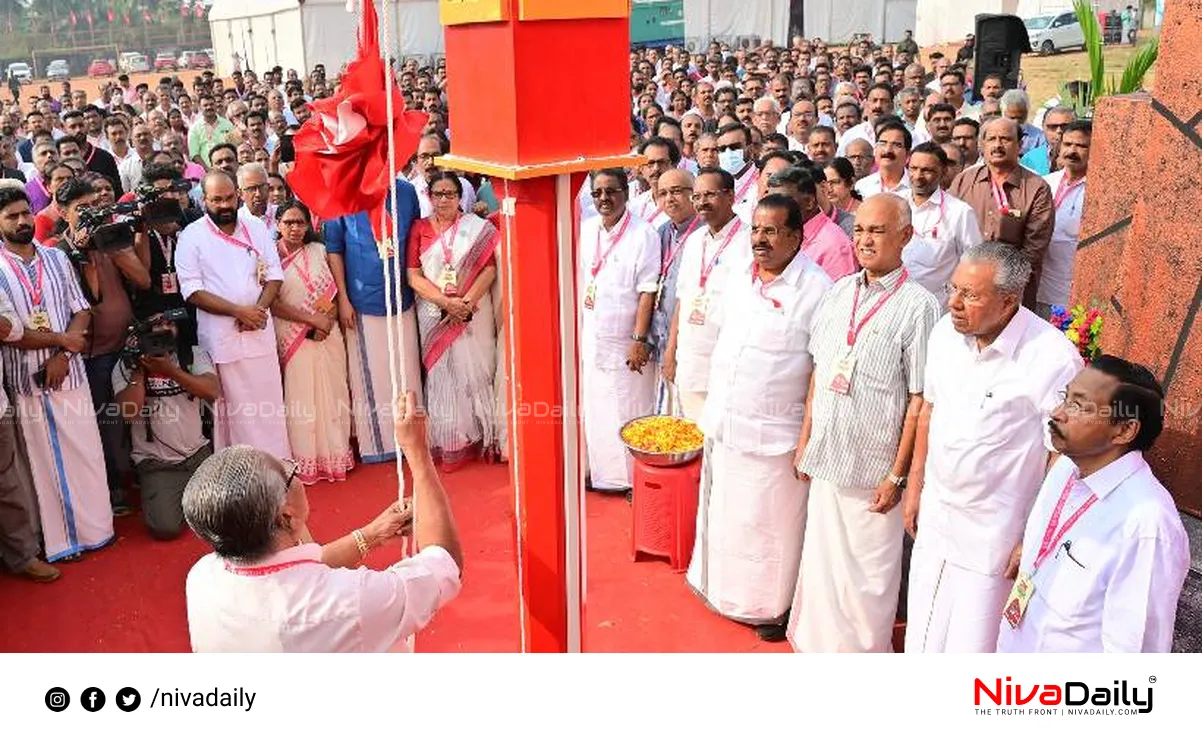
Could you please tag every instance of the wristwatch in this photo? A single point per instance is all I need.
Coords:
(639, 338)
(897, 481)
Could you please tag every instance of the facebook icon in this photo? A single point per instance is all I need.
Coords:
(92, 699)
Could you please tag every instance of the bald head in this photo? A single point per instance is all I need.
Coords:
(216, 178)
(1000, 140)
(673, 194)
(881, 233)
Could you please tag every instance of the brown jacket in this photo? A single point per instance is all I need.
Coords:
(1029, 231)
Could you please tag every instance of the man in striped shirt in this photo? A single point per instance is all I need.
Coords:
(52, 400)
(869, 349)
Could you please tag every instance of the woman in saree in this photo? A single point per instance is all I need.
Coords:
(312, 352)
(452, 268)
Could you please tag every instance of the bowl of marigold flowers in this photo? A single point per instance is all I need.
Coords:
(663, 440)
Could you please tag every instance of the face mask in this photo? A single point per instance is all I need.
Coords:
(731, 161)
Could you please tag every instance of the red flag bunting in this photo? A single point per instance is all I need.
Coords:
(342, 150)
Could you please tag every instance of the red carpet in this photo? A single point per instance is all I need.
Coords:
(130, 596)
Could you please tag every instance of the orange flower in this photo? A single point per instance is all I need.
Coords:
(662, 434)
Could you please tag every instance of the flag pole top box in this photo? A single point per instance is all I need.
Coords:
(538, 87)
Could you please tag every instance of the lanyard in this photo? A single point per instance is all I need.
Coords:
(1053, 537)
(447, 247)
(934, 231)
(654, 215)
(267, 569)
(751, 179)
(999, 196)
(233, 239)
(853, 329)
(755, 279)
(675, 246)
(167, 247)
(1065, 188)
(599, 259)
(34, 289)
(706, 269)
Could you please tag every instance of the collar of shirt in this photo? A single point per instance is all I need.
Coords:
(888, 282)
(722, 233)
(1007, 341)
(292, 554)
(984, 174)
(1109, 478)
(935, 200)
(814, 225)
(794, 271)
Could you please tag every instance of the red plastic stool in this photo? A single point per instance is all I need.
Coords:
(665, 511)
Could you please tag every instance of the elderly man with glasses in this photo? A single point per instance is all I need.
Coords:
(268, 587)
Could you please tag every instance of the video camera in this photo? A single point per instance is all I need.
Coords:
(146, 339)
(153, 208)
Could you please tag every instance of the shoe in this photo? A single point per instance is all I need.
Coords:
(771, 632)
(40, 572)
(122, 510)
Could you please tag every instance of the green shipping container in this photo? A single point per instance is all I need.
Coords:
(657, 22)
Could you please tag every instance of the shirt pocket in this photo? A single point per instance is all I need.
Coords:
(771, 334)
(617, 300)
(1072, 591)
(1010, 230)
(878, 359)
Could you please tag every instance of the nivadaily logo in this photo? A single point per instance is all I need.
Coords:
(1071, 697)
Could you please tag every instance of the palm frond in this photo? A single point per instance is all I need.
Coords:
(1093, 45)
(1138, 66)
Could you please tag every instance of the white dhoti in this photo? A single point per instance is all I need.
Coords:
(750, 529)
(251, 410)
(611, 398)
(692, 404)
(63, 445)
(371, 381)
(846, 599)
(951, 609)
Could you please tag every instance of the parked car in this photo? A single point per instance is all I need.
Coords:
(101, 68)
(200, 61)
(165, 61)
(137, 63)
(58, 70)
(1053, 33)
(20, 70)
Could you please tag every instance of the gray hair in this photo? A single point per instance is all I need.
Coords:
(900, 206)
(768, 101)
(1012, 267)
(250, 168)
(11, 183)
(1015, 98)
(233, 502)
(909, 91)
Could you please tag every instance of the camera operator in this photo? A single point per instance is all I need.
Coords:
(161, 401)
(155, 245)
(110, 275)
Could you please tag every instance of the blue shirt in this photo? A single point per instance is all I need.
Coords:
(1032, 139)
(352, 238)
(1036, 161)
(661, 320)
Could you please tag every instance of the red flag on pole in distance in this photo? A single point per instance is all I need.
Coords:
(342, 150)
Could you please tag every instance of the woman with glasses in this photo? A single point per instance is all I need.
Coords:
(312, 352)
(840, 185)
(452, 268)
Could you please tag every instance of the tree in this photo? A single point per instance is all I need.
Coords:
(1100, 85)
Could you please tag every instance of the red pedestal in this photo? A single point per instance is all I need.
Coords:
(665, 512)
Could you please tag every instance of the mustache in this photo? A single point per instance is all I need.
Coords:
(1055, 429)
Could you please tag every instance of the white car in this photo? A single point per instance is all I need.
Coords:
(137, 63)
(1053, 33)
(58, 70)
(20, 70)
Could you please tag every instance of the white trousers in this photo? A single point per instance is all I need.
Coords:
(951, 609)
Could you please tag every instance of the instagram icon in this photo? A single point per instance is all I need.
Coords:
(57, 699)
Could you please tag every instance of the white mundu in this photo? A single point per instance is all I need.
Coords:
(617, 267)
(987, 452)
(752, 512)
(1112, 582)
(944, 227)
(706, 263)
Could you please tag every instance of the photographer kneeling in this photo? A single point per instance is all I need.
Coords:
(162, 404)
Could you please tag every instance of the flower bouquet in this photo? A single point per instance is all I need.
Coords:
(1082, 326)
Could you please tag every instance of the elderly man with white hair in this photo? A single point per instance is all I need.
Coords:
(268, 587)
(994, 372)
(765, 114)
(252, 187)
(229, 269)
(1016, 106)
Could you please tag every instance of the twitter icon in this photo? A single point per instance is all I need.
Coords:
(128, 699)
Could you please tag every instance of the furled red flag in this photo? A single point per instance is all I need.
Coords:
(112, 15)
(342, 150)
(91, 20)
(74, 19)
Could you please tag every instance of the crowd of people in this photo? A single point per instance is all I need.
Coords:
(838, 262)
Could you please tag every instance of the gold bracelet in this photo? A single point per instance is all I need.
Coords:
(361, 542)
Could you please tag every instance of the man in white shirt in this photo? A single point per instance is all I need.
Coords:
(229, 268)
(619, 276)
(1068, 197)
(752, 511)
(944, 226)
(130, 168)
(267, 587)
(765, 115)
(710, 258)
(1104, 555)
(429, 147)
(893, 143)
(994, 370)
(252, 187)
(878, 105)
(662, 155)
(803, 117)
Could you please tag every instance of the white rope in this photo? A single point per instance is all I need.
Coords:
(507, 209)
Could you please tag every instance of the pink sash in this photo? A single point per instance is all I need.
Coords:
(317, 285)
(437, 336)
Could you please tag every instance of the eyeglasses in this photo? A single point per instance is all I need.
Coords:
(599, 192)
(967, 295)
(444, 195)
(729, 147)
(261, 187)
(425, 156)
(292, 474)
(677, 191)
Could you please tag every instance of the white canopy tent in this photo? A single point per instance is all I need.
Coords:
(942, 21)
(838, 20)
(732, 21)
(298, 34)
